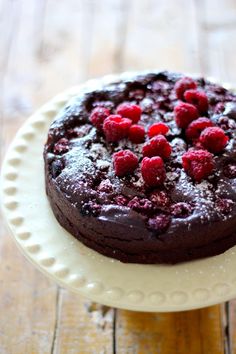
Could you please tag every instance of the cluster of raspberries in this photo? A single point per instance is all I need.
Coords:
(189, 113)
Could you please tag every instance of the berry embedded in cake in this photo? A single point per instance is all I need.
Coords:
(144, 169)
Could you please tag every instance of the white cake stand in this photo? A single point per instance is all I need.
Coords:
(60, 256)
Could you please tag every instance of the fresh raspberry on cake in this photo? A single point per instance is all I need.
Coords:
(182, 85)
(153, 171)
(197, 98)
(198, 164)
(136, 134)
(116, 128)
(185, 113)
(129, 110)
(98, 115)
(197, 126)
(157, 128)
(125, 162)
(213, 139)
(157, 146)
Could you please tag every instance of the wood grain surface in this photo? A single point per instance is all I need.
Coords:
(47, 46)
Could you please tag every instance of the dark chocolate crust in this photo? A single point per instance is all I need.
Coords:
(110, 214)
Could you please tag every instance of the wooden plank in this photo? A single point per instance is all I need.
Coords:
(83, 327)
(216, 33)
(27, 303)
(187, 332)
(221, 54)
(109, 22)
(28, 299)
(232, 326)
(220, 14)
(62, 56)
(158, 38)
(21, 76)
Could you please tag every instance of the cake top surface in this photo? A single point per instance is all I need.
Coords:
(154, 152)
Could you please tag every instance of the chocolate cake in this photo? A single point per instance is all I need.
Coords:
(143, 170)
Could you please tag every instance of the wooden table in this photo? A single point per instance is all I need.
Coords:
(47, 46)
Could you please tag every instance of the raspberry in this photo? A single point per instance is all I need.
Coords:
(213, 139)
(230, 171)
(160, 223)
(140, 204)
(185, 113)
(181, 210)
(182, 85)
(136, 134)
(198, 99)
(157, 128)
(157, 146)
(224, 206)
(105, 186)
(125, 162)
(153, 171)
(115, 127)
(98, 115)
(198, 164)
(61, 146)
(160, 199)
(196, 127)
(129, 110)
(121, 200)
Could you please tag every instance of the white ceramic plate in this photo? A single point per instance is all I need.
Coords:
(59, 255)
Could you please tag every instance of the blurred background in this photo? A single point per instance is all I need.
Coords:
(47, 46)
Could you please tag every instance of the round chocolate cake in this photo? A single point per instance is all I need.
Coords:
(144, 169)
